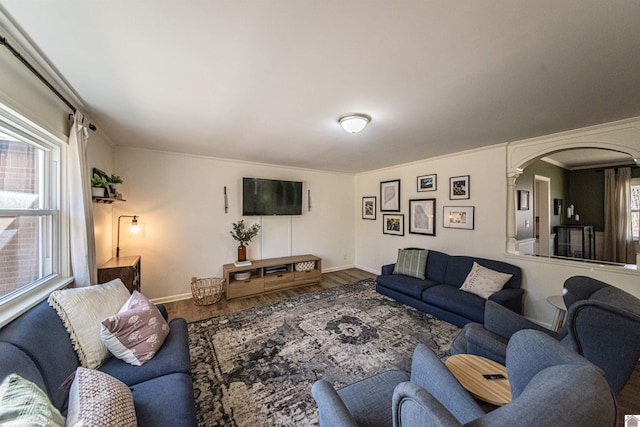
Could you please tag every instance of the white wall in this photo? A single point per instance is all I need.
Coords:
(487, 169)
(100, 155)
(179, 198)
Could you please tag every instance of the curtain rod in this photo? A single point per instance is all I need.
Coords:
(5, 43)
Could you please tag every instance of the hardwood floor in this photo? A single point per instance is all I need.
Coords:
(191, 312)
(628, 399)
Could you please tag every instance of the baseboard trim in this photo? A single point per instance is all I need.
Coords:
(181, 297)
(368, 270)
(172, 298)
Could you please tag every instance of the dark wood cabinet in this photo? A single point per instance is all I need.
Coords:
(575, 241)
(126, 268)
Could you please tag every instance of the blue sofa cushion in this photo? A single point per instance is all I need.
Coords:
(437, 265)
(450, 298)
(405, 284)
(165, 401)
(34, 332)
(21, 364)
(172, 357)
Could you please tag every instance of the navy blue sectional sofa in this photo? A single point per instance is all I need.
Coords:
(37, 347)
(439, 293)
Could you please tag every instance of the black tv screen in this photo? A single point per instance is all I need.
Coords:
(271, 197)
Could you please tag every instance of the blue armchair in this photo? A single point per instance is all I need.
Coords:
(603, 325)
(550, 385)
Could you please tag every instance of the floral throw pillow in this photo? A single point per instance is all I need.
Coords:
(483, 281)
(136, 332)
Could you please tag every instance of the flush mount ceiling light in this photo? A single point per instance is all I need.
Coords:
(354, 123)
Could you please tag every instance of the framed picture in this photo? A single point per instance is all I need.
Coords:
(393, 224)
(459, 187)
(390, 196)
(422, 216)
(557, 206)
(369, 207)
(428, 182)
(523, 200)
(458, 217)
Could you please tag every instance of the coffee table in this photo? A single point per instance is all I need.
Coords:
(468, 370)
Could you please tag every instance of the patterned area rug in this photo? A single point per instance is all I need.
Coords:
(256, 367)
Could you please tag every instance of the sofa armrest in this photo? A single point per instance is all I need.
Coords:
(413, 405)
(510, 298)
(505, 323)
(428, 372)
(331, 409)
(388, 269)
(163, 311)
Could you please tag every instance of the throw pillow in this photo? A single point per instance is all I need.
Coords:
(98, 399)
(137, 332)
(411, 262)
(82, 310)
(22, 403)
(483, 281)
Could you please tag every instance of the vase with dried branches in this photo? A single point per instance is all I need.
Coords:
(243, 235)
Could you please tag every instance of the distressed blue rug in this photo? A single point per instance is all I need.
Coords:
(255, 367)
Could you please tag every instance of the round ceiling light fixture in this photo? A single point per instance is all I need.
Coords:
(354, 123)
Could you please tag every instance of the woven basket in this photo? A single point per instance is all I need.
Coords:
(305, 266)
(207, 291)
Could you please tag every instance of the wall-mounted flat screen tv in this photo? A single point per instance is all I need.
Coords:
(271, 197)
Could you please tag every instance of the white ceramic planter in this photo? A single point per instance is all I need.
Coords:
(97, 191)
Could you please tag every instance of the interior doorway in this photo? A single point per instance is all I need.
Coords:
(542, 215)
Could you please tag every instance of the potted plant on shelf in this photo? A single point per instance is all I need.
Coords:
(113, 182)
(243, 236)
(98, 185)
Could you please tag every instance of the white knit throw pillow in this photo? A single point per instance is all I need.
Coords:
(82, 311)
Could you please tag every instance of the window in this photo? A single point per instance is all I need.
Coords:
(635, 208)
(32, 231)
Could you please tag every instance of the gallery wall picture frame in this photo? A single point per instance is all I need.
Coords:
(390, 196)
(523, 200)
(428, 182)
(460, 187)
(393, 224)
(461, 217)
(557, 206)
(422, 216)
(369, 207)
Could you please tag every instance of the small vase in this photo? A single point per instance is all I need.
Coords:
(242, 253)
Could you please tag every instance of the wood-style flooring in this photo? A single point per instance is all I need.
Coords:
(628, 399)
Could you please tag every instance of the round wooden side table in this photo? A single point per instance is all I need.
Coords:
(469, 370)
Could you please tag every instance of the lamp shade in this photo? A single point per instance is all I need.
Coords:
(354, 123)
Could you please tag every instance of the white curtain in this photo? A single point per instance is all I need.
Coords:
(83, 248)
(618, 241)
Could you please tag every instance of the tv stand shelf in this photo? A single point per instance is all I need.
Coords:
(264, 278)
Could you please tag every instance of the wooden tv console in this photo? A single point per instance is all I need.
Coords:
(264, 280)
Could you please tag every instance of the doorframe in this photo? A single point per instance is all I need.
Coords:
(542, 214)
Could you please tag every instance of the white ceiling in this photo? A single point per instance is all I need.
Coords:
(265, 81)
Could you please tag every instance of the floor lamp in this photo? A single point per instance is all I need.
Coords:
(134, 228)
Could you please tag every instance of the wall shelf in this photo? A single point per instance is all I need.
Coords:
(106, 200)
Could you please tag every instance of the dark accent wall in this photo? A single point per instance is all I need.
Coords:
(559, 190)
(586, 188)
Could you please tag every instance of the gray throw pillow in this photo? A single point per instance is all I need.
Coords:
(411, 262)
